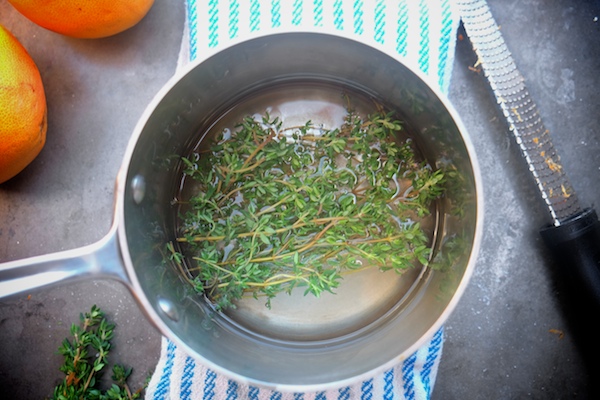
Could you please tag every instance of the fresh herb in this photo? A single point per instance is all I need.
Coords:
(279, 208)
(86, 356)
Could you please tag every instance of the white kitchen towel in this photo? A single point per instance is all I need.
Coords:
(179, 376)
(423, 33)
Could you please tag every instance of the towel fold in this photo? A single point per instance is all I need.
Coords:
(423, 33)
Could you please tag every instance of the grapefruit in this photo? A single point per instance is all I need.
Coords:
(23, 111)
(84, 18)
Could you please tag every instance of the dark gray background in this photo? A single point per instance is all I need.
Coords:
(502, 342)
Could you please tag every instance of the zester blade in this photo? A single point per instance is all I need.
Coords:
(508, 86)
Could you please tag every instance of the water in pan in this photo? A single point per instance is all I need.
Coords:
(364, 299)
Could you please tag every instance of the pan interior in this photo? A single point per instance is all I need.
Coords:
(364, 299)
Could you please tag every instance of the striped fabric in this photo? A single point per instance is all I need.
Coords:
(423, 33)
(178, 376)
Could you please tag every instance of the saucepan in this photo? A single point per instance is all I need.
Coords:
(301, 343)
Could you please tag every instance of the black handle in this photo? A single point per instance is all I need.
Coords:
(576, 245)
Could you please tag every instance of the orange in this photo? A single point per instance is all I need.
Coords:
(84, 18)
(23, 122)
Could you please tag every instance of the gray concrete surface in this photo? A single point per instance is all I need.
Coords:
(503, 341)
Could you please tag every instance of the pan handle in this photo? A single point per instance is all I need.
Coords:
(100, 259)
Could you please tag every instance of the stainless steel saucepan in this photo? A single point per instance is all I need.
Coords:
(376, 319)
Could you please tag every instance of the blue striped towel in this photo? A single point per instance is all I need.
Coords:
(423, 33)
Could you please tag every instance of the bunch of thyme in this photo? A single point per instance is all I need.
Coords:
(81, 373)
(279, 208)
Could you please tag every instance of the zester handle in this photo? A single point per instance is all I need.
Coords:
(576, 244)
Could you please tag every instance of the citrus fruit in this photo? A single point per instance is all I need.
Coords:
(23, 122)
(84, 19)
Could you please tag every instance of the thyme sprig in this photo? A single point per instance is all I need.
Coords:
(278, 208)
(85, 358)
